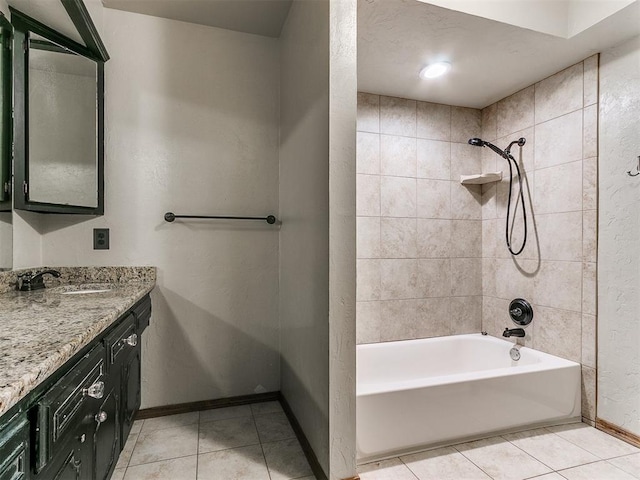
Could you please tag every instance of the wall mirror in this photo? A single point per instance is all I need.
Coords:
(6, 226)
(59, 118)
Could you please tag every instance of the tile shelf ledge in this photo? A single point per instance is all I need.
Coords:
(480, 178)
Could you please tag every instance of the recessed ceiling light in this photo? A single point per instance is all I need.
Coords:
(435, 70)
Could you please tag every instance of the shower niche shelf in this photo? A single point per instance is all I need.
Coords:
(481, 178)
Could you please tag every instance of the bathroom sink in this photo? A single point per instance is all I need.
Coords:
(82, 292)
(82, 289)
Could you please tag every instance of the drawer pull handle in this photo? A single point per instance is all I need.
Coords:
(94, 391)
(83, 438)
(101, 417)
(131, 340)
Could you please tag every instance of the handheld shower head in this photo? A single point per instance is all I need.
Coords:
(476, 142)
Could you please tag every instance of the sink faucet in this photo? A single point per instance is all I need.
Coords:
(513, 332)
(29, 282)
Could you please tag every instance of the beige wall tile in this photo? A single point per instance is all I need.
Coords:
(434, 277)
(466, 238)
(591, 80)
(490, 122)
(434, 121)
(488, 201)
(465, 160)
(398, 116)
(515, 112)
(397, 156)
(589, 184)
(559, 94)
(434, 199)
(398, 197)
(398, 237)
(368, 112)
(558, 189)
(590, 131)
(466, 123)
(589, 340)
(433, 317)
(398, 279)
(559, 140)
(398, 320)
(433, 238)
(368, 324)
(368, 237)
(560, 236)
(589, 288)
(368, 153)
(515, 279)
(489, 238)
(368, 195)
(466, 315)
(495, 316)
(589, 235)
(466, 277)
(434, 158)
(465, 201)
(589, 393)
(489, 277)
(559, 285)
(558, 332)
(368, 279)
(489, 160)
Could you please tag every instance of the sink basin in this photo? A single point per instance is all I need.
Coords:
(82, 292)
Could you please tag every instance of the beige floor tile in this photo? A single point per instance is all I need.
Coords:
(502, 460)
(229, 433)
(170, 421)
(596, 471)
(593, 440)
(285, 459)
(165, 444)
(273, 427)
(628, 463)
(266, 407)
(550, 449)
(310, 477)
(223, 413)
(443, 464)
(136, 427)
(392, 469)
(125, 455)
(118, 474)
(549, 476)
(177, 469)
(242, 463)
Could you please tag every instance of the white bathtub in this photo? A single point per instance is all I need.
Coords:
(418, 394)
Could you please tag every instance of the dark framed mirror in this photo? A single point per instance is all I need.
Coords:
(59, 121)
(6, 217)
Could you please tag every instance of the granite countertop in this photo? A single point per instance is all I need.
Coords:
(41, 330)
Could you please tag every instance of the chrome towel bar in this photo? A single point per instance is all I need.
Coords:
(170, 217)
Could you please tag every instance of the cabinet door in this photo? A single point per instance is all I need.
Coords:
(130, 391)
(106, 437)
(14, 448)
(72, 468)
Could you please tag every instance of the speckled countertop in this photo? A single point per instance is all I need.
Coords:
(41, 330)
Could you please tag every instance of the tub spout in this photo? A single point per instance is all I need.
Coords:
(513, 332)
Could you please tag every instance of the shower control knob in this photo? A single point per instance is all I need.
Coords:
(521, 311)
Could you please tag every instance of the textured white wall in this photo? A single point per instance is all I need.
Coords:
(619, 231)
(191, 127)
(304, 209)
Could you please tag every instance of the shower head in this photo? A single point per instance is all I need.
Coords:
(520, 142)
(478, 142)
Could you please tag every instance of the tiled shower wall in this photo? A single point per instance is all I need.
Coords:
(556, 271)
(419, 231)
(432, 258)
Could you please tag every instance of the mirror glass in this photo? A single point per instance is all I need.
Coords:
(6, 230)
(62, 123)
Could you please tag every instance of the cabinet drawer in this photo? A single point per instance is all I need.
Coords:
(142, 311)
(122, 339)
(14, 449)
(62, 408)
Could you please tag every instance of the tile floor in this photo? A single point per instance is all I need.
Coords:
(572, 452)
(247, 442)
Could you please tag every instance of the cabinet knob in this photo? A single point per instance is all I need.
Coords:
(131, 340)
(94, 391)
(101, 417)
(83, 438)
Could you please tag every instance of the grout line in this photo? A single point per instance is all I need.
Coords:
(198, 448)
(162, 460)
(408, 468)
(264, 457)
(471, 461)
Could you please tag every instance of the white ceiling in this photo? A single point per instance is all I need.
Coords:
(490, 59)
(260, 17)
(51, 13)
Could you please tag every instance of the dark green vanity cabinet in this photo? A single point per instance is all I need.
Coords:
(74, 425)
